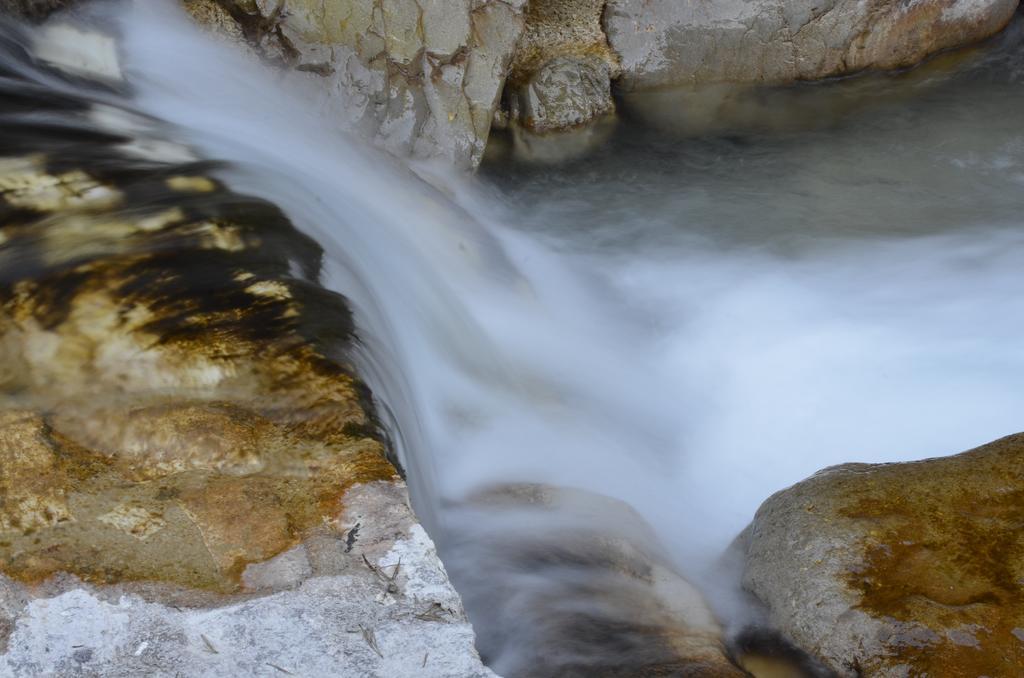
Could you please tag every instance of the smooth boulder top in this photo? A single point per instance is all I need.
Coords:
(899, 569)
(665, 42)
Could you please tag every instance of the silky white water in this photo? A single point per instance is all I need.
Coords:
(687, 327)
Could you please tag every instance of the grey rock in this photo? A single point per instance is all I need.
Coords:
(566, 92)
(560, 77)
(665, 42)
(348, 619)
(420, 78)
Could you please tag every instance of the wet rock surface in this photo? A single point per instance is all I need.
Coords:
(899, 569)
(192, 481)
(594, 595)
(663, 43)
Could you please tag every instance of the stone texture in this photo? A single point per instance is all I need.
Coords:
(565, 92)
(664, 42)
(899, 569)
(421, 78)
(561, 73)
(323, 610)
(592, 595)
(192, 481)
(561, 28)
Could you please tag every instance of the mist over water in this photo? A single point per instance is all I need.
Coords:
(684, 324)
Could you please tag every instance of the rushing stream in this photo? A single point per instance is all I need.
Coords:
(684, 323)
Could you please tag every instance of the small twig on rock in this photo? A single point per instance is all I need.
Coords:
(389, 581)
(371, 640)
(209, 645)
(435, 613)
(425, 655)
(280, 668)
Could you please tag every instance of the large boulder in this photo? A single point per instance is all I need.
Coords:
(665, 42)
(192, 479)
(908, 569)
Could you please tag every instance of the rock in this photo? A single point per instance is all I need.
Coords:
(561, 73)
(665, 43)
(561, 28)
(330, 614)
(192, 479)
(592, 594)
(421, 78)
(899, 569)
(33, 10)
(564, 93)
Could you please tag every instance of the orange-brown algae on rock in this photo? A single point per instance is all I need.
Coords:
(956, 565)
(168, 409)
(900, 569)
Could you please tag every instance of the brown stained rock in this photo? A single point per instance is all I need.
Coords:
(164, 413)
(900, 569)
(561, 28)
(191, 478)
(33, 488)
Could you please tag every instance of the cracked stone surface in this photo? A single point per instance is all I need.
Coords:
(319, 609)
(904, 569)
(665, 42)
(421, 78)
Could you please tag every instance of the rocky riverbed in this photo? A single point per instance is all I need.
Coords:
(196, 477)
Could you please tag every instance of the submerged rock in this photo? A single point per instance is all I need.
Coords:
(664, 42)
(191, 476)
(594, 596)
(365, 595)
(899, 569)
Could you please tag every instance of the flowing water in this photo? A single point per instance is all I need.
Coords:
(686, 323)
